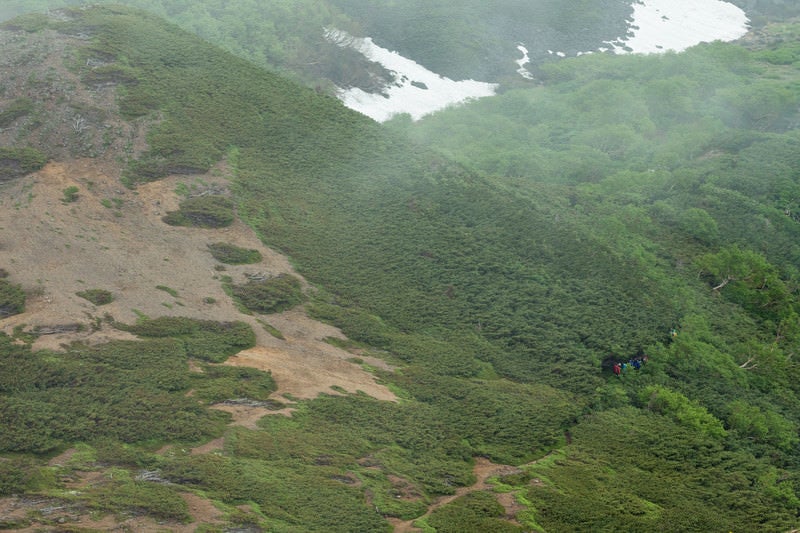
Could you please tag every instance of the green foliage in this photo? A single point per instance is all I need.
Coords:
(747, 278)
(700, 225)
(17, 162)
(124, 495)
(762, 425)
(212, 211)
(220, 383)
(16, 109)
(271, 295)
(172, 292)
(12, 298)
(291, 496)
(216, 341)
(431, 33)
(127, 391)
(564, 227)
(203, 339)
(677, 406)
(96, 296)
(164, 326)
(413, 441)
(70, 194)
(272, 330)
(476, 511)
(234, 255)
(638, 471)
(29, 22)
(15, 473)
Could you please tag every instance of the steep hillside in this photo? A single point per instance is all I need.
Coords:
(92, 255)
(484, 304)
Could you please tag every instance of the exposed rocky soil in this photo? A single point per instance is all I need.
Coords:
(56, 249)
(113, 238)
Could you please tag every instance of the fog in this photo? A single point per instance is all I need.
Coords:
(657, 26)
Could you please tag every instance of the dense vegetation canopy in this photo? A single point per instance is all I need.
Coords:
(502, 256)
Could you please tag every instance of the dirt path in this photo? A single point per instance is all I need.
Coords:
(483, 470)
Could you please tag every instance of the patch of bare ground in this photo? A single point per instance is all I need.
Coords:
(55, 249)
(209, 447)
(483, 470)
(62, 458)
(201, 510)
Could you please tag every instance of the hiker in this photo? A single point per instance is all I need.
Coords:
(637, 364)
(617, 369)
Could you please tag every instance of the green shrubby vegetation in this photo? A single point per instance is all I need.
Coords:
(70, 194)
(16, 109)
(12, 298)
(220, 383)
(502, 256)
(636, 471)
(211, 211)
(272, 295)
(96, 296)
(476, 511)
(127, 391)
(203, 339)
(291, 496)
(234, 255)
(16, 162)
(124, 495)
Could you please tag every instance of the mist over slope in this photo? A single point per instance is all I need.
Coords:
(478, 40)
(488, 266)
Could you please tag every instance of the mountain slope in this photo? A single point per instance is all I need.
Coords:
(500, 303)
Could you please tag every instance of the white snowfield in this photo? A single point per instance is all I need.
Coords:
(657, 26)
(415, 90)
(679, 24)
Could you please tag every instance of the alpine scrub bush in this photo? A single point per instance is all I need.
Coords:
(269, 296)
(70, 195)
(17, 162)
(203, 339)
(96, 296)
(234, 255)
(18, 108)
(212, 211)
(12, 299)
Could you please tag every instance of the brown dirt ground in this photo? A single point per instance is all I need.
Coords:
(55, 249)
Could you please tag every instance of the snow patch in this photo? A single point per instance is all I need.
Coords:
(661, 25)
(415, 90)
(522, 71)
(656, 26)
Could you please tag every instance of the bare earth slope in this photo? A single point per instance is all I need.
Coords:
(56, 249)
(113, 238)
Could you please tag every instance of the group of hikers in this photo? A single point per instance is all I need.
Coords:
(635, 363)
